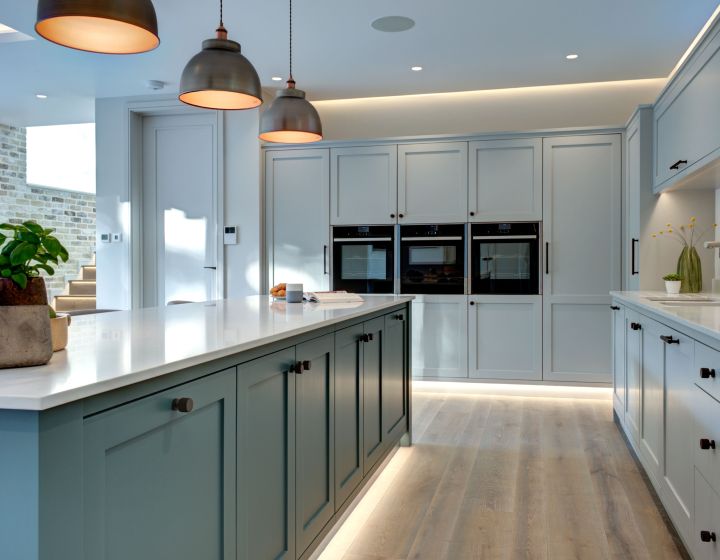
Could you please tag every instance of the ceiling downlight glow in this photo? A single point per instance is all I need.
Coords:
(41, 96)
(416, 68)
(276, 79)
(572, 56)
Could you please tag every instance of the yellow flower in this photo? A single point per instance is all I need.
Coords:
(654, 235)
(661, 233)
(669, 231)
(692, 218)
(691, 225)
(668, 225)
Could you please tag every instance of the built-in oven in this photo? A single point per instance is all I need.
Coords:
(432, 259)
(505, 258)
(364, 259)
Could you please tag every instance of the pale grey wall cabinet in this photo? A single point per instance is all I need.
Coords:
(505, 180)
(432, 183)
(151, 473)
(687, 118)
(297, 190)
(363, 185)
(582, 231)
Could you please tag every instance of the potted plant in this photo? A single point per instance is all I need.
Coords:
(672, 283)
(25, 250)
(689, 267)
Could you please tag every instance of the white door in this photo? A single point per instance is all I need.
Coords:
(638, 157)
(439, 336)
(505, 180)
(432, 183)
(180, 254)
(363, 185)
(581, 224)
(505, 337)
(297, 188)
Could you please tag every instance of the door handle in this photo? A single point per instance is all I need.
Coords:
(706, 443)
(636, 326)
(297, 367)
(706, 373)
(669, 339)
(615, 308)
(633, 270)
(678, 163)
(325, 249)
(210, 267)
(547, 257)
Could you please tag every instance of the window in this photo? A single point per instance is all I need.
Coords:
(62, 157)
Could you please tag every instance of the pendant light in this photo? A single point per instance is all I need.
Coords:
(101, 26)
(219, 77)
(291, 118)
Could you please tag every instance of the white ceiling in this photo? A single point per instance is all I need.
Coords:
(462, 45)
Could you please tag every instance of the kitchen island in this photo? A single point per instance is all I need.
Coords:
(235, 429)
(666, 392)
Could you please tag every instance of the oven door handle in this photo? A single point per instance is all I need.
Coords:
(494, 237)
(438, 238)
(360, 240)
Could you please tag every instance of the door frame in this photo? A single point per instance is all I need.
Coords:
(135, 112)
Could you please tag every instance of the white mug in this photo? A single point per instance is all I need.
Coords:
(294, 293)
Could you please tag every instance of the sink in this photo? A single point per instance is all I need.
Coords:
(690, 303)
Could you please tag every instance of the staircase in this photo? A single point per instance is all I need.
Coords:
(81, 293)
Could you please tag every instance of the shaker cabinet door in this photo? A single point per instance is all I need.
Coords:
(394, 381)
(266, 457)
(160, 482)
(372, 393)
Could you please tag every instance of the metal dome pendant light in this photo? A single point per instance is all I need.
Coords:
(101, 26)
(219, 77)
(290, 119)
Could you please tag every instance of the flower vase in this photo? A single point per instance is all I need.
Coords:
(690, 270)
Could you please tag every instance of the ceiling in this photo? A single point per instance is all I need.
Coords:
(461, 44)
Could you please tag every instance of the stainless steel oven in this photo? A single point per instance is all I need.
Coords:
(505, 258)
(432, 259)
(364, 259)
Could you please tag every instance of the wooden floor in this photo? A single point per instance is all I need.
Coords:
(507, 477)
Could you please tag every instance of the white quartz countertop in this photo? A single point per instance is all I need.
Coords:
(112, 350)
(685, 309)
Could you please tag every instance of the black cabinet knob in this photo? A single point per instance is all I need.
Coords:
(184, 404)
(706, 373)
(669, 339)
(401, 215)
(392, 215)
(364, 338)
(399, 317)
(635, 326)
(370, 337)
(297, 367)
(307, 365)
(614, 308)
(472, 303)
(707, 536)
(472, 213)
(706, 443)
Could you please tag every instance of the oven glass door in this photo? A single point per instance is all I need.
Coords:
(432, 266)
(505, 266)
(363, 266)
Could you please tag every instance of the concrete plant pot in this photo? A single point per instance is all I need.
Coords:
(25, 336)
(672, 287)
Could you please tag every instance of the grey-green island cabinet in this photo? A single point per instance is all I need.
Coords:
(252, 456)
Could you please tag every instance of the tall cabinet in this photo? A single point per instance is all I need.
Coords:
(297, 190)
(582, 220)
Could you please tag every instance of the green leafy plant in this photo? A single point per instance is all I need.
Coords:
(672, 278)
(28, 249)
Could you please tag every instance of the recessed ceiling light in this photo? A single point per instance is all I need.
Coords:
(41, 96)
(276, 79)
(571, 56)
(416, 68)
(393, 24)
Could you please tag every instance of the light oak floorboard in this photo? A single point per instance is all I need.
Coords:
(506, 477)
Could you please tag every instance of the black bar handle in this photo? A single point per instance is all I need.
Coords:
(633, 270)
(325, 248)
(669, 339)
(707, 373)
(547, 257)
(678, 163)
(615, 308)
(635, 326)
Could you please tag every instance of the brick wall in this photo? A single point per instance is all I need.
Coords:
(72, 214)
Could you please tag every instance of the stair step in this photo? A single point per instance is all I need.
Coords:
(88, 272)
(74, 303)
(82, 287)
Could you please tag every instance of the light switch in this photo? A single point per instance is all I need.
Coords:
(231, 235)
(116, 237)
(105, 238)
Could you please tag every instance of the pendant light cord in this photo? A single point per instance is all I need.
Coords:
(291, 74)
(221, 13)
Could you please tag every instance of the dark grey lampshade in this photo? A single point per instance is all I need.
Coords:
(102, 26)
(220, 77)
(291, 119)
